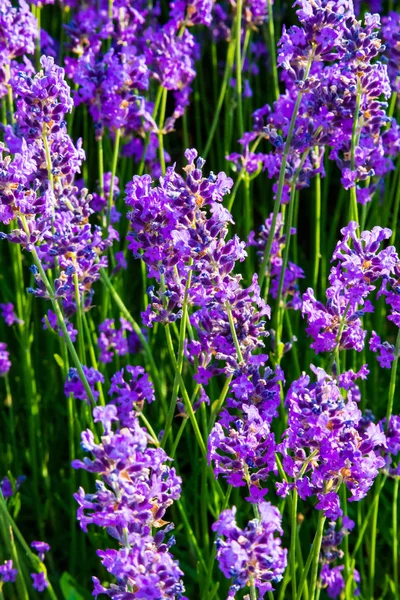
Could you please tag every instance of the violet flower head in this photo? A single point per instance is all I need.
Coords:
(130, 396)
(326, 443)
(113, 341)
(8, 314)
(41, 548)
(352, 279)
(7, 573)
(253, 553)
(39, 581)
(42, 101)
(5, 363)
(146, 566)
(73, 384)
(18, 29)
(191, 12)
(392, 450)
(386, 352)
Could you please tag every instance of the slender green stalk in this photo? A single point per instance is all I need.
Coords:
(160, 129)
(147, 349)
(379, 486)
(113, 172)
(238, 35)
(60, 318)
(48, 158)
(395, 537)
(225, 81)
(348, 573)
(100, 160)
(181, 347)
(147, 138)
(81, 340)
(192, 537)
(217, 406)
(315, 553)
(393, 377)
(253, 592)
(372, 556)
(281, 180)
(185, 396)
(354, 136)
(395, 216)
(272, 49)
(233, 332)
(36, 562)
(293, 540)
(288, 226)
(317, 228)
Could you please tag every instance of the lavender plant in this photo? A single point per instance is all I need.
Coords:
(199, 299)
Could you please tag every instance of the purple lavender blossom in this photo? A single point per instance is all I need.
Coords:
(326, 443)
(7, 573)
(392, 449)
(130, 396)
(385, 352)
(113, 341)
(73, 384)
(5, 363)
(39, 581)
(41, 548)
(8, 314)
(251, 554)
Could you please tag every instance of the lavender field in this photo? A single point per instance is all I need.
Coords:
(199, 299)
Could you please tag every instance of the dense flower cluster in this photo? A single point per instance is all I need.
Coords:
(5, 363)
(332, 576)
(360, 263)
(326, 443)
(253, 554)
(134, 492)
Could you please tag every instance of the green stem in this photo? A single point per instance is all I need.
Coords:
(367, 518)
(100, 158)
(225, 81)
(185, 396)
(113, 173)
(293, 540)
(272, 49)
(181, 347)
(285, 260)
(253, 592)
(160, 129)
(315, 551)
(233, 332)
(317, 229)
(354, 136)
(60, 318)
(48, 158)
(281, 180)
(395, 538)
(147, 349)
(392, 385)
(239, 10)
(395, 217)
(81, 341)
(372, 558)
(35, 561)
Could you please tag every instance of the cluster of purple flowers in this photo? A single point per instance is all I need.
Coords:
(335, 84)
(332, 576)
(361, 263)
(327, 442)
(253, 555)
(131, 498)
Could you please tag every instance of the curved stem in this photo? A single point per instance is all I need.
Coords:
(239, 10)
(113, 172)
(293, 540)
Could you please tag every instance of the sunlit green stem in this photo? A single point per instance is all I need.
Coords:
(395, 537)
(281, 180)
(315, 553)
(113, 173)
(60, 318)
(161, 130)
(239, 10)
(393, 377)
